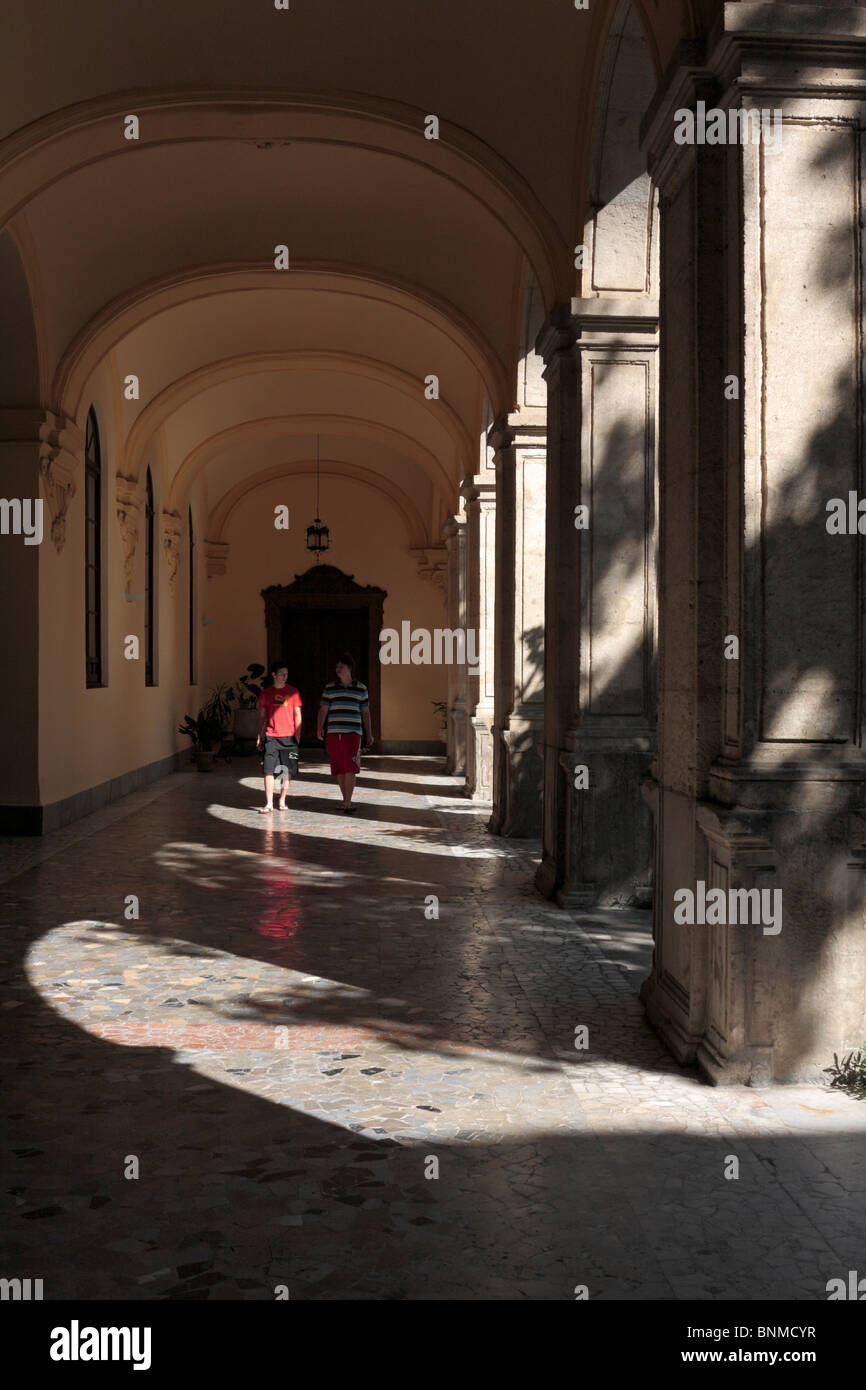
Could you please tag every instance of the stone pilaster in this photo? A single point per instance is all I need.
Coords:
(556, 346)
(602, 371)
(216, 554)
(518, 443)
(760, 780)
(610, 833)
(479, 493)
(454, 532)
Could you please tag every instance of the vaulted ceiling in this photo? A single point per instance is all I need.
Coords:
(304, 127)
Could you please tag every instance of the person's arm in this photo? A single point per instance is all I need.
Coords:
(299, 716)
(263, 719)
(323, 710)
(368, 728)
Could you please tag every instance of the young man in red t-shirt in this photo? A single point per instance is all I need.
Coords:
(279, 726)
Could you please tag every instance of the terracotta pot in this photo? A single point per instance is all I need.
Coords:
(204, 760)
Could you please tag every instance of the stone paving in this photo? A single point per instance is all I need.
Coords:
(320, 1087)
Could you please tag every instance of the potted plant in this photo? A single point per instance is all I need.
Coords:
(206, 735)
(209, 726)
(440, 708)
(218, 706)
(249, 687)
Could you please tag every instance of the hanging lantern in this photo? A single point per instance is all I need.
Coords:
(318, 535)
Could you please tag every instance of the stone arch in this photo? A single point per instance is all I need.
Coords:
(333, 468)
(20, 378)
(252, 431)
(77, 136)
(230, 369)
(621, 229)
(531, 389)
(123, 315)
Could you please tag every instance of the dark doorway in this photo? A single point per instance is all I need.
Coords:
(310, 622)
(313, 639)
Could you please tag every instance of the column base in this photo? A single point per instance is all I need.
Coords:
(659, 1010)
(751, 1067)
(605, 841)
(455, 757)
(519, 775)
(768, 993)
(545, 877)
(481, 782)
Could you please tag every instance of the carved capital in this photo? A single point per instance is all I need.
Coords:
(61, 451)
(172, 537)
(216, 554)
(433, 566)
(128, 509)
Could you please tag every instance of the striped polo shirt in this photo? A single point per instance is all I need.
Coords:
(343, 704)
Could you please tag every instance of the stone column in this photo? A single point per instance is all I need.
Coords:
(556, 346)
(518, 724)
(601, 368)
(479, 493)
(454, 531)
(760, 781)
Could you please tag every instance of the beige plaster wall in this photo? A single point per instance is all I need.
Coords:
(87, 737)
(19, 630)
(369, 542)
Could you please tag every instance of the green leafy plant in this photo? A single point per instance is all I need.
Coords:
(218, 705)
(250, 685)
(441, 709)
(849, 1074)
(204, 731)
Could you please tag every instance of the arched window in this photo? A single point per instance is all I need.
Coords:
(192, 603)
(149, 577)
(93, 551)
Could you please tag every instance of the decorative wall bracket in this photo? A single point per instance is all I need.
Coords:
(61, 446)
(433, 565)
(172, 536)
(128, 509)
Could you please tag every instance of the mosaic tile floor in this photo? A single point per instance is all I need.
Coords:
(321, 1088)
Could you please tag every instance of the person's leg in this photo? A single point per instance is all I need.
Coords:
(332, 744)
(284, 784)
(271, 760)
(341, 783)
(269, 793)
(353, 765)
(286, 751)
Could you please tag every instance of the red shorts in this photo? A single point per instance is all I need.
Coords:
(344, 750)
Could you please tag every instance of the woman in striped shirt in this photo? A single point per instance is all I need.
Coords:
(345, 708)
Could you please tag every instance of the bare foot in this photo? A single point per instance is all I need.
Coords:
(265, 810)
(283, 806)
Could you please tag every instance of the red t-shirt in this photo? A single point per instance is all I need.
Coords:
(281, 706)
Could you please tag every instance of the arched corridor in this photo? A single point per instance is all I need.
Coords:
(507, 357)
